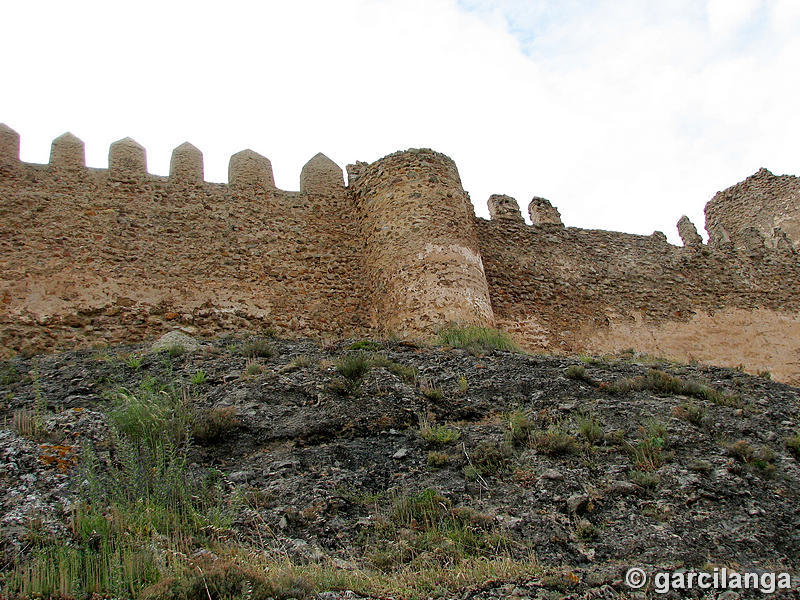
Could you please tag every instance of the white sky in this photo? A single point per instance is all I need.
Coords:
(626, 114)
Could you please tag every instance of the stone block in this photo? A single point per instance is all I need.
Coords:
(504, 207)
(321, 175)
(9, 148)
(250, 169)
(541, 212)
(186, 165)
(127, 160)
(67, 152)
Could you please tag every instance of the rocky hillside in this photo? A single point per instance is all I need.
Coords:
(257, 468)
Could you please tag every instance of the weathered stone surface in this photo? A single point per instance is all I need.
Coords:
(127, 160)
(541, 212)
(688, 232)
(504, 207)
(321, 175)
(186, 164)
(67, 152)
(250, 169)
(762, 201)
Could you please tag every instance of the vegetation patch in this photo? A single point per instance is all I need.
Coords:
(590, 428)
(691, 412)
(650, 451)
(142, 503)
(257, 348)
(439, 435)
(425, 528)
(519, 428)
(578, 373)
(662, 382)
(487, 458)
(365, 345)
(793, 444)
(555, 440)
(761, 460)
(478, 340)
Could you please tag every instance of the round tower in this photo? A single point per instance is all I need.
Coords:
(423, 267)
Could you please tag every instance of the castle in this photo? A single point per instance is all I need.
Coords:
(118, 255)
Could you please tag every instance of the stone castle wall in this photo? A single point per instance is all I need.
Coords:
(95, 255)
(114, 255)
(423, 266)
(762, 210)
(560, 289)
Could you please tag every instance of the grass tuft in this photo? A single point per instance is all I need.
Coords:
(439, 435)
(478, 340)
(257, 348)
(555, 440)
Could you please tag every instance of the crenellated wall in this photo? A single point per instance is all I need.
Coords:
(110, 255)
(569, 290)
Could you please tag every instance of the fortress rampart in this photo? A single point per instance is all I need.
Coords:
(112, 255)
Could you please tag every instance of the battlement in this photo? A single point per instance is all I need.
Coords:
(127, 162)
(92, 255)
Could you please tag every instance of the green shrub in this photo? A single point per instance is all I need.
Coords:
(431, 391)
(252, 368)
(438, 460)
(589, 427)
(175, 350)
(577, 372)
(761, 459)
(663, 383)
(257, 348)
(133, 361)
(130, 510)
(214, 423)
(153, 414)
(741, 450)
(488, 458)
(645, 479)
(793, 444)
(405, 373)
(478, 340)
(9, 374)
(691, 412)
(426, 529)
(224, 580)
(650, 453)
(353, 366)
(519, 427)
(301, 361)
(555, 441)
(437, 434)
(198, 377)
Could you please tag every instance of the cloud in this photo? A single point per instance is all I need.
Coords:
(626, 114)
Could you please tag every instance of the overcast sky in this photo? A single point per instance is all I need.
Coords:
(626, 114)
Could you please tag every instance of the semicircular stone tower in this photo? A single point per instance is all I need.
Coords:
(422, 262)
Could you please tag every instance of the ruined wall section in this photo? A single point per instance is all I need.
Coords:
(95, 255)
(562, 289)
(762, 210)
(422, 263)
